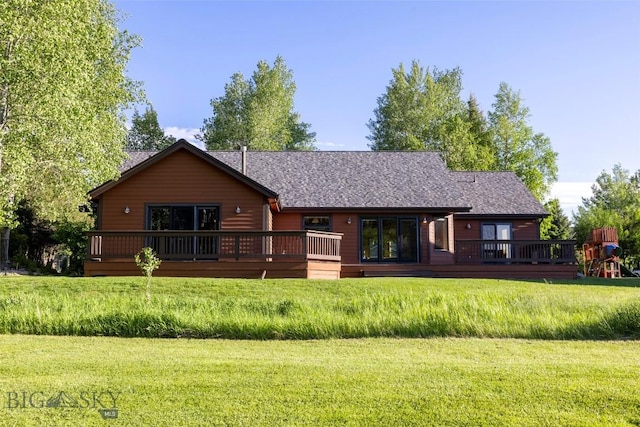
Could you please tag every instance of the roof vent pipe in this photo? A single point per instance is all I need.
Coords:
(243, 149)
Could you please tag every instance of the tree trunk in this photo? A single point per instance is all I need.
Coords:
(4, 248)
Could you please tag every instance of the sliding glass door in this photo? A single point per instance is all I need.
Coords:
(389, 239)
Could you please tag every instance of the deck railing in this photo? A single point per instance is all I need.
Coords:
(214, 245)
(515, 251)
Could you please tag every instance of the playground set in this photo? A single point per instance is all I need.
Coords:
(602, 253)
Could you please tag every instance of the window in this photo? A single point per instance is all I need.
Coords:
(184, 218)
(317, 223)
(442, 233)
(496, 232)
(389, 239)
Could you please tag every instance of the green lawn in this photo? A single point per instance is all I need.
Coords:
(308, 309)
(469, 371)
(382, 381)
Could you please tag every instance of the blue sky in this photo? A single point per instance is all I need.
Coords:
(575, 63)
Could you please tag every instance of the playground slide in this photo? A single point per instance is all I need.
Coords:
(625, 272)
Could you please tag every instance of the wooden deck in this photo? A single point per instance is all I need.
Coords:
(242, 254)
(313, 254)
(485, 271)
(497, 259)
(515, 252)
(238, 269)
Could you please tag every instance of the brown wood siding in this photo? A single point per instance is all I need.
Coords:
(526, 230)
(285, 221)
(349, 246)
(463, 233)
(182, 178)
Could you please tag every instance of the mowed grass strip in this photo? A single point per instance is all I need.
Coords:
(308, 309)
(381, 382)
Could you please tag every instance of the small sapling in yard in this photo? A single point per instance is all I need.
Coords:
(147, 260)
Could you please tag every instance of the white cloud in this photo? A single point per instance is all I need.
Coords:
(570, 195)
(184, 133)
(329, 146)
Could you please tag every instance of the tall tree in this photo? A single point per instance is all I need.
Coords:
(416, 104)
(146, 133)
(517, 148)
(258, 113)
(615, 203)
(62, 92)
(480, 134)
(557, 225)
(422, 110)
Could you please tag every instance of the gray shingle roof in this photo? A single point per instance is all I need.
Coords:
(135, 157)
(497, 193)
(353, 179)
(377, 179)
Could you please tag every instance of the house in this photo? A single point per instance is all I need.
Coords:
(319, 214)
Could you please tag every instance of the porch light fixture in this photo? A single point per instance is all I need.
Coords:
(127, 210)
(425, 220)
(238, 210)
(468, 226)
(349, 220)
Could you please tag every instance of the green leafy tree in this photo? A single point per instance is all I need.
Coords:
(517, 147)
(147, 261)
(258, 113)
(557, 225)
(423, 110)
(146, 133)
(71, 237)
(62, 92)
(480, 135)
(416, 104)
(615, 203)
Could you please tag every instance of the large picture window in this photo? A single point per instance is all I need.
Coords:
(184, 218)
(389, 239)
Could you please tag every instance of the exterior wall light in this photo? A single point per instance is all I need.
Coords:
(425, 220)
(238, 210)
(468, 226)
(349, 220)
(127, 210)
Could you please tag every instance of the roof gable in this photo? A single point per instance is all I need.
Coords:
(139, 161)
